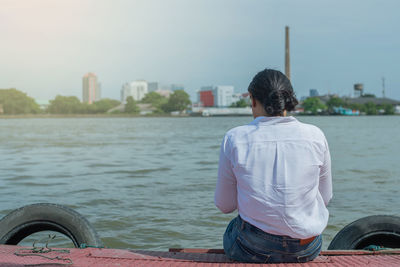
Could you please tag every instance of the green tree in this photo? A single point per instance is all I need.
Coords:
(131, 106)
(370, 108)
(240, 104)
(14, 101)
(313, 105)
(104, 105)
(335, 102)
(153, 98)
(156, 100)
(388, 109)
(178, 101)
(65, 105)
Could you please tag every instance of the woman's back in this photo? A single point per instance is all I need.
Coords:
(277, 162)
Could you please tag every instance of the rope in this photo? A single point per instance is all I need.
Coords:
(38, 251)
(84, 245)
(375, 248)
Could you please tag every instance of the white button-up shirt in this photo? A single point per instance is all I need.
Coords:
(277, 172)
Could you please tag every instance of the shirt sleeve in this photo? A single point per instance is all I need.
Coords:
(225, 197)
(325, 177)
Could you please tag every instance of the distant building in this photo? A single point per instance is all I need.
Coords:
(219, 96)
(136, 89)
(314, 92)
(206, 97)
(164, 93)
(91, 88)
(223, 95)
(152, 86)
(358, 90)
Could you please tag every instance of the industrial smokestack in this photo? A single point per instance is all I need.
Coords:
(287, 53)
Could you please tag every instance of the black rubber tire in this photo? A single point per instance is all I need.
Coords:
(379, 230)
(34, 218)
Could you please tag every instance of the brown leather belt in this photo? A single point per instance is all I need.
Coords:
(307, 241)
(254, 228)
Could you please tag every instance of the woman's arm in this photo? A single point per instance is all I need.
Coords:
(325, 177)
(225, 197)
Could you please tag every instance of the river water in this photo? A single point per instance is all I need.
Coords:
(148, 183)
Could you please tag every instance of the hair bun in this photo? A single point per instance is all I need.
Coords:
(274, 103)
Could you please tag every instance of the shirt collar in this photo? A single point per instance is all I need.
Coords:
(262, 120)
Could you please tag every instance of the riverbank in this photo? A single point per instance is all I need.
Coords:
(121, 115)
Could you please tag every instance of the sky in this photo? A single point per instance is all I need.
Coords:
(46, 46)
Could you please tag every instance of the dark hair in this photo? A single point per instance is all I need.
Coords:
(274, 91)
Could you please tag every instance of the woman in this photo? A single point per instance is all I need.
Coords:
(276, 172)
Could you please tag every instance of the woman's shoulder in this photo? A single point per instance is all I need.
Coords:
(312, 130)
(240, 130)
(239, 133)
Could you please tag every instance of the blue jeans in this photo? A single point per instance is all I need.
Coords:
(246, 243)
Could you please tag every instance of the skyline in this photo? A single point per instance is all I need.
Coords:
(50, 45)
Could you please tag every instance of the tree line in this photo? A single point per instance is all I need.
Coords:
(179, 100)
(314, 105)
(14, 102)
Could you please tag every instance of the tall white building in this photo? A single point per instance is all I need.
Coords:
(91, 88)
(136, 89)
(223, 95)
